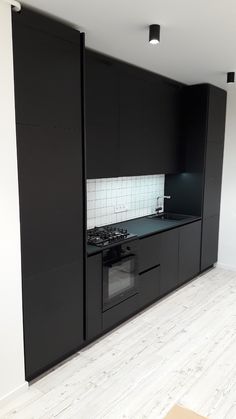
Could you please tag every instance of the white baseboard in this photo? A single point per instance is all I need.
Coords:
(225, 266)
(13, 394)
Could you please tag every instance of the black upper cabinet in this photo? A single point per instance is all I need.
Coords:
(102, 117)
(47, 68)
(216, 115)
(149, 125)
(46, 97)
(132, 120)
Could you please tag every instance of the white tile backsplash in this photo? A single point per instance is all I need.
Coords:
(138, 194)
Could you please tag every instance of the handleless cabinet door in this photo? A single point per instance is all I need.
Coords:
(94, 296)
(189, 251)
(210, 234)
(47, 68)
(102, 117)
(169, 260)
(213, 178)
(149, 124)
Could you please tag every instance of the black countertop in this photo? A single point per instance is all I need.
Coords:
(144, 226)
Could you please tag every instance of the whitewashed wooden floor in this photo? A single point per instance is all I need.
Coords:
(181, 350)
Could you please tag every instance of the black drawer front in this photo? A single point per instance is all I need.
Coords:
(149, 286)
(149, 253)
(119, 313)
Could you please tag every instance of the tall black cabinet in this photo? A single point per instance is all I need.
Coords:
(48, 92)
(197, 190)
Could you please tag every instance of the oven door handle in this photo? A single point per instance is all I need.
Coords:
(119, 261)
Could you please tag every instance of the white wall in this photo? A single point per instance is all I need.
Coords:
(11, 329)
(227, 239)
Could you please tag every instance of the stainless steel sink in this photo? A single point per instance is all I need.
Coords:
(169, 216)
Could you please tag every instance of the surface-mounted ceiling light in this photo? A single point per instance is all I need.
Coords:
(230, 77)
(154, 34)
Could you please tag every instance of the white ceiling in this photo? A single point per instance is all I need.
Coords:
(198, 37)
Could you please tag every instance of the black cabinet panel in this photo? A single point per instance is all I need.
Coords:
(149, 252)
(47, 76)
(94, 296)
(149, 125)
(214, 159)
(149, 286)
(51, 206)
(119, 313)
(210, 233)
(138, 134)
(47, 68)
(212, 194)
(169, 260)
(132, 120)
(189, 251)
(185, 190)
(194, 126)
(53, 317)
(216, 115)
(213, 177)
(102, 117)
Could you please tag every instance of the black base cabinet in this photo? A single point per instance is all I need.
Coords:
(169, 261)
(166, 260)
(48, 91)
(149, 286)
(210, 233)
(119, 313)
(94, 297)
(189, 251)
(53, 318)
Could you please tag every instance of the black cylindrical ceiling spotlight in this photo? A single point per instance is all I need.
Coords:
(154, 34)
(230, 77)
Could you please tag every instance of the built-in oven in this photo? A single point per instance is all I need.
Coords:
(120, 273)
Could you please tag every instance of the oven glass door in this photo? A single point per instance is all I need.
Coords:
(119, 275)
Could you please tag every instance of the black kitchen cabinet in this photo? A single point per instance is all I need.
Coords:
(213, 178)
(189, 251)
(94, 296)
(119, 313)
(102, 116)
(210, 236)
(169, 261)
(53, 317)
(149, 252)
(49, 54)
(149, 142)
(48, 90)
(197, 191)
(149, 286)
(165, 261)
(138, 125)
(132, 120)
